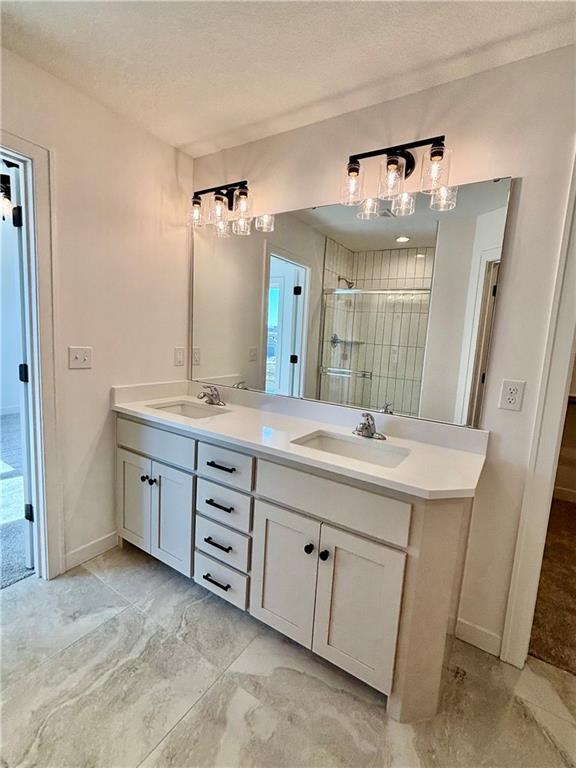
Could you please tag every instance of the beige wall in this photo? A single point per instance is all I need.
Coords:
(495, 122)
(121, 268)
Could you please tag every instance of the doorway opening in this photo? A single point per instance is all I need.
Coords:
(286, 326)
(553, 637)
(17, 534)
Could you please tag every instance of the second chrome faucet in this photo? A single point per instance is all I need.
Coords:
(367, 428)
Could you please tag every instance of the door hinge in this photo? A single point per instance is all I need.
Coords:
(293, 358)
(29, 512)
(494, 289)
(17, 216)
(297, 290)
(23, 373)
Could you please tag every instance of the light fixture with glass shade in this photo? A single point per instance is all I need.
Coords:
(265, 223)
(392, 173)
(242, 212)
(435, 169)
(404, 204)
(352, 191)
(369, 209)
(444, 199)
(196, 213)
(218, 208)
(222, 228)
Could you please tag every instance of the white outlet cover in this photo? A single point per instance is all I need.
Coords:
(252, 354)
(79, 357)
(195, 355)
(178, 356)
(512, 395)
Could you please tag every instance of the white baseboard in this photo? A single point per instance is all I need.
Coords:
(479, 636)
(93, 549)
(565, 494)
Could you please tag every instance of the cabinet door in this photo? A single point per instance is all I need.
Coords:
(172, 510)
(283, 572)
(358, 605)
(133, 498)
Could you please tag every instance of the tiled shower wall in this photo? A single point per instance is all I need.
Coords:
(380, 337)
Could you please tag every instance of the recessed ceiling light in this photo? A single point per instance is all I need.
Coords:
(402, 239)
(420, 255)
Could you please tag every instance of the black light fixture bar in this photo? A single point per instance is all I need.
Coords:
(402, 150)
(225, 189)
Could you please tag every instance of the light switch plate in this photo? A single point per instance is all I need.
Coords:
(252, 354)
(178, 356)
(79, 357)
(195, 355)
(511, 395)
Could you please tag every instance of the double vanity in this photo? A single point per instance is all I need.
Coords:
(352, 547)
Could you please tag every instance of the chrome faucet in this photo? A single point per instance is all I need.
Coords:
(386, 409)
(367, 428)
(211, 395)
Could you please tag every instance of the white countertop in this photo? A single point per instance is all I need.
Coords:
(429, 471)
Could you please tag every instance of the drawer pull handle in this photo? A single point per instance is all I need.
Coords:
(324, 555)
(209, 578)
(309, 548)
(210, 540)
(220, 466)
(143, 478)
(152, 481)
(212, 503)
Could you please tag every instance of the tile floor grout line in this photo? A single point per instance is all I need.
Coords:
(198, 700)
(112, 589)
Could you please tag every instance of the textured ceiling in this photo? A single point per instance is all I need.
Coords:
(209, 75)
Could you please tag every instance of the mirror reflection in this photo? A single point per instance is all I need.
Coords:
(391, 313)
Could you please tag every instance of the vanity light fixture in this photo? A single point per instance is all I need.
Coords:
(218, 208)
(402, 239)
(397, 164)
(196, 216)
(265, 223)
(222, 228)
(242, 212)
(229, 207)
(369, 209)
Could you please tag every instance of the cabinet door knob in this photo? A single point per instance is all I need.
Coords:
(143, 478)
(152, 481)
(309, 548)
(324, 555)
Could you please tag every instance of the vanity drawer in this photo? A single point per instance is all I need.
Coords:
(226, 466)
(224, 505)
(165, 446)
(221, 579)
(214, 539)
(370, 513)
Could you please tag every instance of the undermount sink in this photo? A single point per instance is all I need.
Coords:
(377, 452)
(191, 410)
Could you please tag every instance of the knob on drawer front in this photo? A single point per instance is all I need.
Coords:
(324, 555)
(309, 548)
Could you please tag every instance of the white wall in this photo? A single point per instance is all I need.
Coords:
(10, 318)
(121, 271)
(495, 122)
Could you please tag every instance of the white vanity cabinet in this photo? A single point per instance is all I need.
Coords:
(333, 591)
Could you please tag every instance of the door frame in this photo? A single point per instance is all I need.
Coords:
(45, 476)
(545, 448)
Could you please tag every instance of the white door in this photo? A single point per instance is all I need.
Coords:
(171, 519)
(285, 327)
(358, 605)
(284, 566)
(133, 494)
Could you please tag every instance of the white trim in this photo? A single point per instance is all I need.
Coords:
(545, 448)
(90, 550)
(479, 636)
(46, 478)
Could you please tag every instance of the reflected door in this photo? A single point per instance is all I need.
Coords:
(285, 327)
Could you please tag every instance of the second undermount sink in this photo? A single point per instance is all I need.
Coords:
(191, 410)
(377, 452)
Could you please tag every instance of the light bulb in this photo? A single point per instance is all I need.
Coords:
(218, 208)
(352, 185)
(403, 205)
(242, 208)
(369, 209)
(222, 228)
(392, 173)
(265, 223)
(444, 199)
(242, 226)
(435, 169)
(195, 215)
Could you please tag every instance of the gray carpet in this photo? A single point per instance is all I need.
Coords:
(13, 553)
(10, 448)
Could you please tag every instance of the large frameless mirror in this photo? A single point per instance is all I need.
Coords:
(393, 313)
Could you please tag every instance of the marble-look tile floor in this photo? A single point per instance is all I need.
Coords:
(123, 662)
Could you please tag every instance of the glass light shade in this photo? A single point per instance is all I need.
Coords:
(404, 204)
(392, 174)
(218, 208)
(444, 199)
(352, 190)
(435, 169)
(265, 223)
(369, 208)
(242, 208)
(242, 226)
(222, 228)
(196, 214)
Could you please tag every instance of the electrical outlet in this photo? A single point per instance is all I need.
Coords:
(79, 357)
(511, 395)
(252, 354)
(195, 355)
(178, 356)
